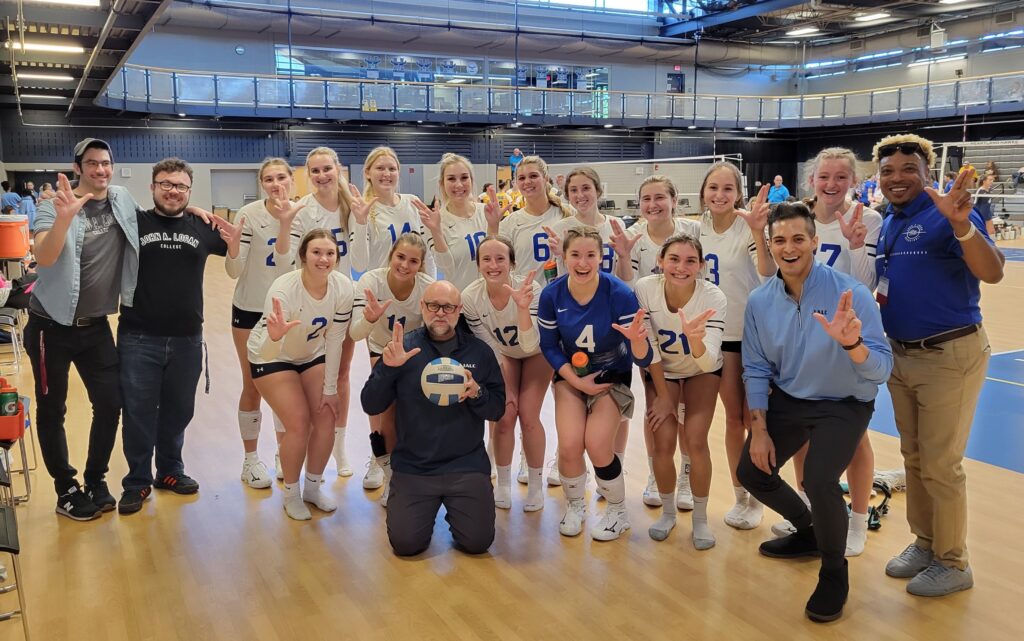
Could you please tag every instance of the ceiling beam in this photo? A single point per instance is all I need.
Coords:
(92, 84)
(76, 17)
(74, 59)
(684, 27)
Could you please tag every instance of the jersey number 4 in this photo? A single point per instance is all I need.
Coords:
(585, 340)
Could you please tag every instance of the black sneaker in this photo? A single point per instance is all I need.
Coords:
(801, 543)
(75, 504)
(177, 483)
(132, 500)
(100, 496)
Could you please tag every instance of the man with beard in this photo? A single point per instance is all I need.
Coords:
(87, 249)
(933, 253)
(160, 337)
(439, 456)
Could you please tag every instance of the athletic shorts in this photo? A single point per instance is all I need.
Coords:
(648, 379)
(732, 346)
(265, 369)
(619, 392)
(243, 319)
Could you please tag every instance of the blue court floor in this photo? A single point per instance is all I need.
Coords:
(997, 436)
(1013, 253)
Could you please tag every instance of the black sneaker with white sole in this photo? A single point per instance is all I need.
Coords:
(132, 500)
(100, 496)
(177, 483)
(74, 504)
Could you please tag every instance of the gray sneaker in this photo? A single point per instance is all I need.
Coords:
(911, 562)
(939, 580)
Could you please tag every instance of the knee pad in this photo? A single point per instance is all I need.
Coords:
(611, 471)
(249, 424)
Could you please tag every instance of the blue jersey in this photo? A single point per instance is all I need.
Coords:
(567, 327)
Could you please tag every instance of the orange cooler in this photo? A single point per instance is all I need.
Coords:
(13, 236)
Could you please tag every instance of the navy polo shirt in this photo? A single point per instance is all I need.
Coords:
(931, 289)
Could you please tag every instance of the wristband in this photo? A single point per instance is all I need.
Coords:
(850, 348)
(966, 237)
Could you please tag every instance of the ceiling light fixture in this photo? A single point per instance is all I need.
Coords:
(951, 1)
(41, 96)
(871, 17)
(53, 77)
(51, 48)
(802, 31)
(77, 3)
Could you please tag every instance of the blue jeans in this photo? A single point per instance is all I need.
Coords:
(158, 382)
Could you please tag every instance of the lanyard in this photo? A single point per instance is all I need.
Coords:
(887, 246)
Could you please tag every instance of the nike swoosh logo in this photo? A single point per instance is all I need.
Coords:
(563, 310)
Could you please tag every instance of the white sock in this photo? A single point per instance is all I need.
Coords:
(291, 490)
(249, 424)
(703, 537)
(650, 465)
(312, 485)
(685, 466)
(857, 534)
(252, 457)
(534, 490)
(622, 459)
(614, 490)
(668, 504)
(740, 492)
(385, 464)
(505, 475)
(339, 439)
(667, 521)
(803, 497)
(574, 487)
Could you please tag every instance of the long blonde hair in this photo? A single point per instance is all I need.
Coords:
(376, 154)
(543, 166)
(447, 161)
(344, 197)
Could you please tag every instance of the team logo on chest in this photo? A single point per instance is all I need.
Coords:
(913, 233)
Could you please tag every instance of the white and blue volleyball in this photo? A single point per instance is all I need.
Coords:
(443, 381)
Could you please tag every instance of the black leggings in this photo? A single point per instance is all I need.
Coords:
(834, 429)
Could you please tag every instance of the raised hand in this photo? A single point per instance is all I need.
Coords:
(844, 328)
(394, 354)
(66, 204)
(374, 309)
(230, 233)
(493, 211)
(277, 325)
(636, 330)
(694, 329)
(554, 242)
(621, 241)
(854, 231)
(523, 296)
(360, 207)
(431, 218)
(283, 210)
(956, 205)
(472, 387)
(757, 217)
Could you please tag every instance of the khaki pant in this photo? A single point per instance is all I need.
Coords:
(934, 393)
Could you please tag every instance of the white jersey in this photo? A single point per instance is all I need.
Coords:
(604, 228)
(834, 250)
(407, 312)
(529, 239)
(463, 236)
(258, 264)
(321, 331)
(315, 216)
(499, 328)
(644, 255)
(731, 259)
(372, 242)
(666, 326)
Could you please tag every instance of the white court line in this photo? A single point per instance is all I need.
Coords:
(999, 380)
(1012, 351)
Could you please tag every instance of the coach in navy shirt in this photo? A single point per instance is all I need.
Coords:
(932, 253)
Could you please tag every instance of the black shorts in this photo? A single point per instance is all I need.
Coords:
(649, 379)
(265, 369)
(243, 319)
(625, 378)
(732, 346)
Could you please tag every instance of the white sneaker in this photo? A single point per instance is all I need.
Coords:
(278, 470)
(255, 475)
(341, 459)
(684, 495)
(374, 475)
(651, 496)
(783, 528)
(553, 478)
(296, 509)
(523, 476)
(575, 515)
(502, 497)
(534, 502)
(613, 522)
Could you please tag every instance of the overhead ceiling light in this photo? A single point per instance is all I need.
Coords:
(802, 31)
(42, 96)
(39, 46)
(929, 61)
(951, 1)
(692, 127)
(871, 17)
(77, 3)
(54, 77)
(181, 115)
(609, 126)
(750, 128)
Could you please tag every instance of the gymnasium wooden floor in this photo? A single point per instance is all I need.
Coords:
(227, 564)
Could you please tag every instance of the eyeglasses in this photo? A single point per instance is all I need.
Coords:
(93, 164)
(166, 185)
(447, 308)
(908, 148)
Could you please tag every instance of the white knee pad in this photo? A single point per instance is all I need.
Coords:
(249, 424)
(278, 425)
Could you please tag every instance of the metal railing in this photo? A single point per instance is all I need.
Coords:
(176, 91)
